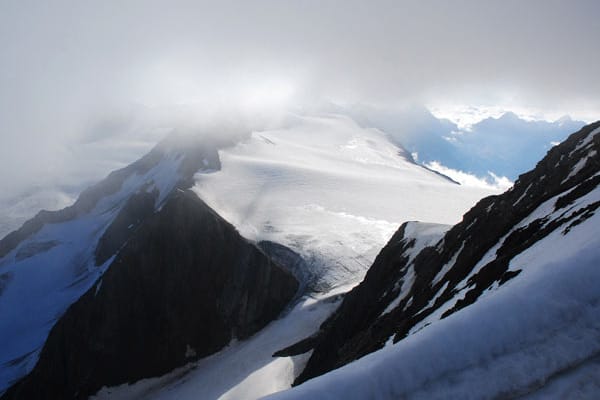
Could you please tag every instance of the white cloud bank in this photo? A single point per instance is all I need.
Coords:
(492, 181)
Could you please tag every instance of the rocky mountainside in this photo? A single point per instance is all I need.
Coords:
(182, 288)
(141, 276)
(138, 277)
(409, 287)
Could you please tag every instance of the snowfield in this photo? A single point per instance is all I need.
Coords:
(330, 190)
(540, 331)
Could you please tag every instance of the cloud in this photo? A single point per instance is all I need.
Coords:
(67, 66)
(491, 181)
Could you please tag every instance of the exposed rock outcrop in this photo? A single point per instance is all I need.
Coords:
(135, 211)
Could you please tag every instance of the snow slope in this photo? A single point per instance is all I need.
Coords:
(330, 190)
(538, 331)
(243, 370)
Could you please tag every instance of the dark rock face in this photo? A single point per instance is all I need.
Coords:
(292, 262)
(363, 323)
(138, 207)
(181, 288)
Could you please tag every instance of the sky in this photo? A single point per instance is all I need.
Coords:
(80, 81)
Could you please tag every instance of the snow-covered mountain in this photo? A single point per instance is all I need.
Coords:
(503, 305)
(181, 288)
(145, 289)
(505, 145)
(56, 257)
(330, 190)
(502, 146)
(88, 286)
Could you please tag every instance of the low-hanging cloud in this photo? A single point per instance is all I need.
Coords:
(80, 72)
(490, 182)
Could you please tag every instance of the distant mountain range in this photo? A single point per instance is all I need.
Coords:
(505, 146)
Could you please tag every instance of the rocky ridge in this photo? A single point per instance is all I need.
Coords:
(403, 291)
